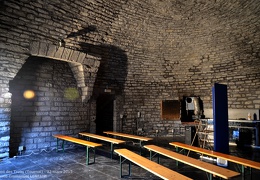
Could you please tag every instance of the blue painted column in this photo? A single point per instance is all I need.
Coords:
(220, 118)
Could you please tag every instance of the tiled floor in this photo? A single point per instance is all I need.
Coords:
(72, 165)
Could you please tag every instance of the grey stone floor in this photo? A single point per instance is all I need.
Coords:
(71, 165)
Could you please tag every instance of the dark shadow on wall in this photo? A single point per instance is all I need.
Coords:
(113, 66)
(110, 78)
(22, 110)
(82, 32)
(53, 110)
(112, 71)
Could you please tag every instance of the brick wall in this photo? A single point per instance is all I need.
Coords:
(178, 48)
(56, 108)
(149, 51)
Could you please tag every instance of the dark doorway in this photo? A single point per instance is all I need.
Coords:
(104, 119)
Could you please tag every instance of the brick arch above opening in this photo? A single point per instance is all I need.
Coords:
(83, 66)
(52, 51)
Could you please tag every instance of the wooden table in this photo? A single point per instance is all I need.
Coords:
(141, 139)
(237, 160)
(204, 166)
(148, 165)
(88, 144)
(112, 141)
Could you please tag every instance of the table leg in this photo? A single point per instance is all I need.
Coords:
(57, 145)
(129, 169)
(112, 150)
(210, 176)
(250, 169)
(121, 172)
(94, 150)
(87, 155)
(151, 155)
(63, 145)
(158, 158)
(121, 167)
(141, 146)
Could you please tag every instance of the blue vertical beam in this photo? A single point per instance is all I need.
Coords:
(220, 118)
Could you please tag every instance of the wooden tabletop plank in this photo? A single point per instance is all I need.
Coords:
(235, 159)
(76, 140)
(112, 140)
(150, 166)
(210, 168)
(141, 138)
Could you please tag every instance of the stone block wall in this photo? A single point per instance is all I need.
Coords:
(56, 108)
(177, 49)
(9, 64)
(148, 51)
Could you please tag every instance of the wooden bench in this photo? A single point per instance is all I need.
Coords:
(148, 165)
(141, 139)
(112, 141)
(88, 144)
(207, 167)
(237, 160)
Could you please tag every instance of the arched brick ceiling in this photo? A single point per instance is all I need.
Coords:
(180, 45)
(191, 44)
(188, 27)
(187, 34)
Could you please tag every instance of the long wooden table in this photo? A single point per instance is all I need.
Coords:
(112, 141)
(141, 139)
(88, 144)
(237, 160)
(207, 167)
(150, 166)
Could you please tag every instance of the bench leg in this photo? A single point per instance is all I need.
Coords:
(121, 167)
(239, 168)
(57, 145)
(62, 145)
(158, 156)
(129, 169)
(250, 171)
(94, 150)
(141, 146)
(88, 156)
(121, 173)
(112, 150)
(210, 176)
(177, 162)
(243, 171)
(158, 159)
(179, 151)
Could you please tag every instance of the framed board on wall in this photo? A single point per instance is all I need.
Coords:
(170, 110)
